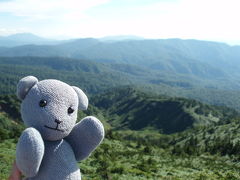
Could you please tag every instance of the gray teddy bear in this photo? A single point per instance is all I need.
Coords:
(52, 144)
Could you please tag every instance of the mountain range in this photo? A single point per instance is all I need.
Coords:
(206, 71)
(201, 59)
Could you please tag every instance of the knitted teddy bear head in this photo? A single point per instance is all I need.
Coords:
(50, 106)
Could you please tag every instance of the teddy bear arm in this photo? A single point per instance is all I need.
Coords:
(30, 151)
(85, 137)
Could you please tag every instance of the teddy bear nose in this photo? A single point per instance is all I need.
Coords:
(58, 121)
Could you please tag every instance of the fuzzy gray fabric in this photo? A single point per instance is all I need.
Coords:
(52, 144)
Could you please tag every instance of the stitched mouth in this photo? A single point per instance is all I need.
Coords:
(56, 128)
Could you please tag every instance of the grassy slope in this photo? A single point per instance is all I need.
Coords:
(117, 160)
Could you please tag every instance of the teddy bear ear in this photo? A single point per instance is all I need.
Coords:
(82, 98)
(24, 85)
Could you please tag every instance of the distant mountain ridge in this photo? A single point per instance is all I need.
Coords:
(121, 38)
(181, 56)
(24, 39)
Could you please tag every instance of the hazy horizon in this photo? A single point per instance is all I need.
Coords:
(155, 19)
(113, 37)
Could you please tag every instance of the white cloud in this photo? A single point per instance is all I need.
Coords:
(204, 19)
(200, 19)
(7, 31)
(47, 9)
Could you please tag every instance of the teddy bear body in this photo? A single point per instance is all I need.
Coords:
(52, 144)
(58, 162)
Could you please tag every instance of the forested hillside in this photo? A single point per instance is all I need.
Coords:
(131, 109)
(90, 76)
(197, 153)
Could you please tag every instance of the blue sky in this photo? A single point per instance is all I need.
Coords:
(216, 20)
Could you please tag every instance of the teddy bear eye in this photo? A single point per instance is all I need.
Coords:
(42, 103)
(70, 110)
